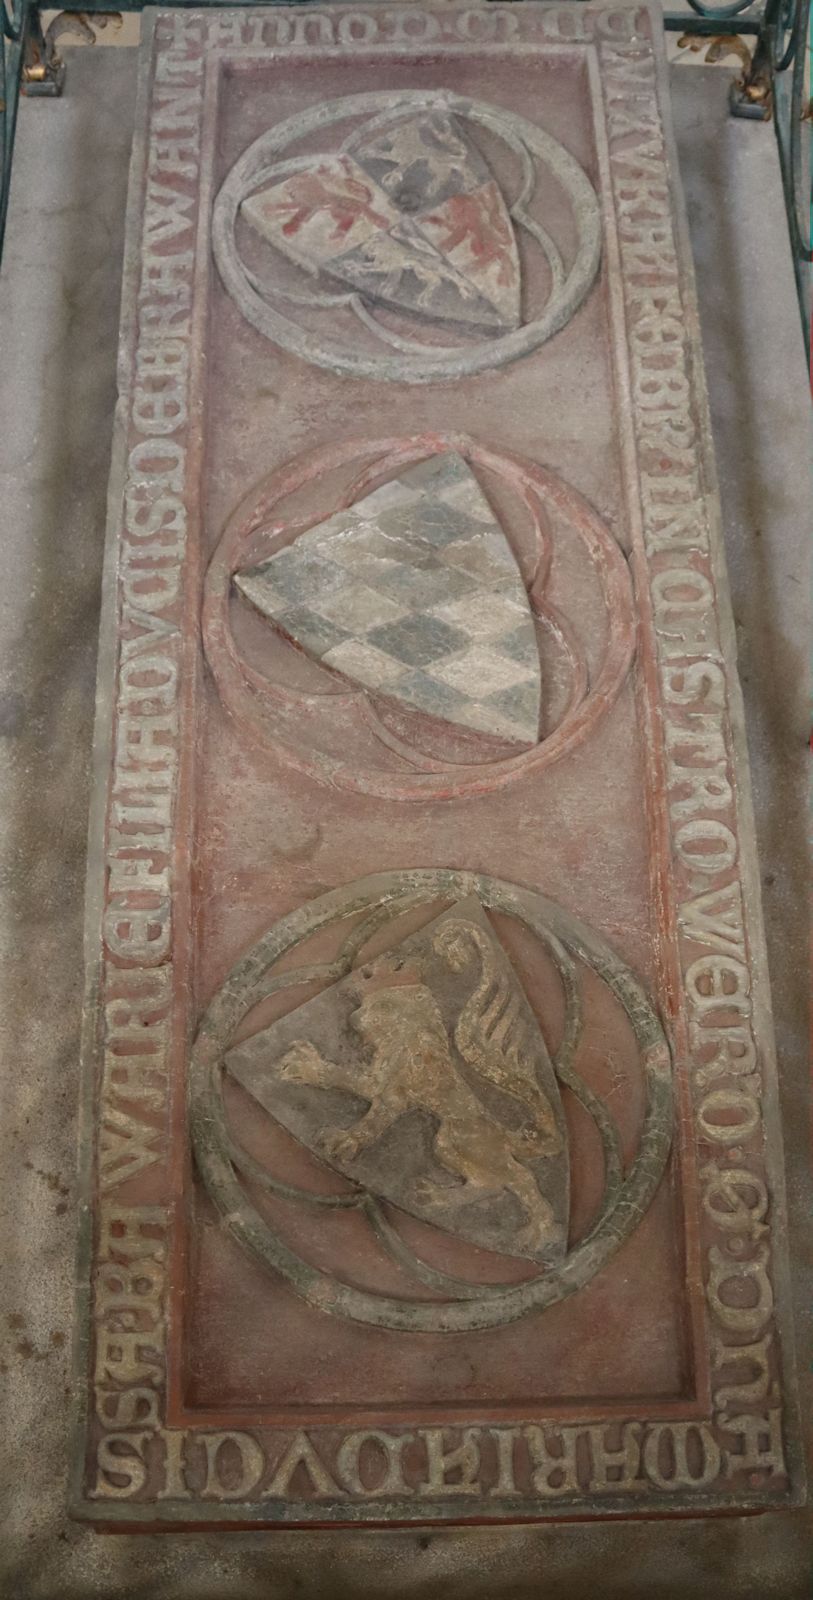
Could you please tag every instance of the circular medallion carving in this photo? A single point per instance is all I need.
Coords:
(392, 250)
(361, 736)
(409, 1034)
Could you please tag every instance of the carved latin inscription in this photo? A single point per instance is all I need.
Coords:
(535, 1464)
(706, 862)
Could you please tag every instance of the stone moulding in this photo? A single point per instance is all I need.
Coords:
(142, 1457)
(625, 1201)
(264, 708)
(428, 366)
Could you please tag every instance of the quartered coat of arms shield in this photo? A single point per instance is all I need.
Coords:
(423, 1077)
(407, 235)
(411, 217)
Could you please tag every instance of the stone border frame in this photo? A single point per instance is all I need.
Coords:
(740, 1450)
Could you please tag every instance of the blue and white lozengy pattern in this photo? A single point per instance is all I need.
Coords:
(414, 593)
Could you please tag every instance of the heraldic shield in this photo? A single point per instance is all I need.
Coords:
(382, 1053)
(423, 1076)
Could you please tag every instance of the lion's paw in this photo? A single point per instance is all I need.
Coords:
(298, 1063)
(340, 1144)
(539, 1235)
(424, 1191)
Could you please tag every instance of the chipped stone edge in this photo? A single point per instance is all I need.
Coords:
(101, 753)
(747, 836)
(149, 1516)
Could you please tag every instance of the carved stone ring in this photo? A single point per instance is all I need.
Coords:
(523, 1163)
(390, 758)
(404, 216)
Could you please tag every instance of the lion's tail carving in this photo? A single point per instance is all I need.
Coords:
(492, 1036)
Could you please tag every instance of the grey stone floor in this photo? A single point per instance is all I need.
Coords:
(58, 318)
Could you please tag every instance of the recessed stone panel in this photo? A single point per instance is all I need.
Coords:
(430, 1155)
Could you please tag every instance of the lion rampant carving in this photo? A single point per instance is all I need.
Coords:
(408, 1064)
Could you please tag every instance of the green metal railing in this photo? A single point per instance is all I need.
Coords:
(772, 86)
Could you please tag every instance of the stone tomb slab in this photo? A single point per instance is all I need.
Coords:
(430, 1155)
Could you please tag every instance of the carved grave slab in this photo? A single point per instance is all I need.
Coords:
(431, 1161)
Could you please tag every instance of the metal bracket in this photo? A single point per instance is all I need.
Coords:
(43, 69)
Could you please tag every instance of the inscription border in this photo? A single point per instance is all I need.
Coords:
(593, 1467)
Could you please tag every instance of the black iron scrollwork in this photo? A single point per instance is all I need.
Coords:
(13, 17)
(772, 87)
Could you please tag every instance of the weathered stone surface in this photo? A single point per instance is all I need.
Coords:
(271, 1336)
(440, 1100)
(413, 218)
(408, 214)
(414, 592)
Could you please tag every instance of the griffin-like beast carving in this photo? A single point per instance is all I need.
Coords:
(484, 1142)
